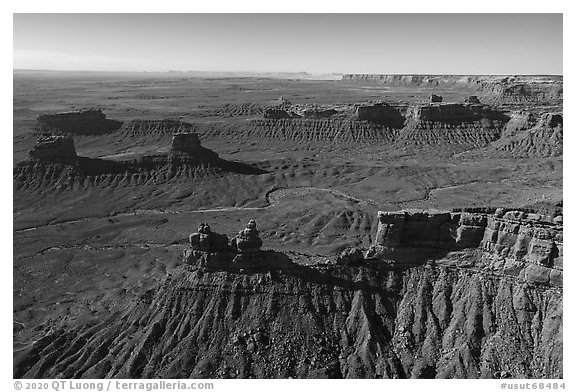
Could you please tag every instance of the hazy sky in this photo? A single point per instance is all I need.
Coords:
(317, 43)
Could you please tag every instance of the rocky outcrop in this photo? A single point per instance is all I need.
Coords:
(439, 124)
(505, 89)
(56, 148)
(277, 114)
(322, 322)
(299, 111)
(212, 251)
(473, 306)
(208, 249)
(234, 110)
(248, 240)
(548, 92)
(81, 122)
(208, 241)
(138, 128)
(187, 147)
(425, 232)
(451, 124)
(526, 135)
(316, 130)
(398, 80)
(472, 99)
(390, 116)
(350, 256)
(53, 166)
(527, 246)
(454, 113)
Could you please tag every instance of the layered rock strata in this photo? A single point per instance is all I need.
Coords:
(213, 251)
(392, 116)
(83, 122)
(332, 322)
(187, 146)
(465, 125)
(514, 243)
(55, 165)
(505, 89)
(527, 135)
(55, 148)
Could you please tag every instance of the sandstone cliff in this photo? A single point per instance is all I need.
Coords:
(318, 130)
(52, 166)
(448, 125)
(526, 135)
(53, 149)
(451, 124)
(391, 116)
(506, 89)
(135, 128)
(455, 314)
(524, 245)
(362, 322)
(82, 122)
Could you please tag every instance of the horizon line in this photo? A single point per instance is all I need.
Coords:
(284, 72)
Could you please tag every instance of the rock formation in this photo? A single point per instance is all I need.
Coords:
(454, 113)
(186, 160)
(208, 249)
(505, 89)
(276, 114)
(316, 130)
(322, 322)
(234, 110)
(525, 245)
(514, 243)
(350, 256)
(526, 135)
(82, 122)
(139, 128)
(472, 99)
(187, 146)
(451, 124)
(208, 241)
(388, 115)
(425, 230)
(248, 240)
(286, 110)
(317, 112)
(54, 148)
(212, 251)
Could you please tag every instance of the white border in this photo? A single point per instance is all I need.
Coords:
(304, 6)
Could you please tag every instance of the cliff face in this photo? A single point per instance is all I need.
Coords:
(511, 89)
(515, 243)
(452, 124)
(448, 124)
(363, 322)
(54, 149)
(451, 314)
(136, 128)
(385, 114)
(454, 113)
(318, 130)
(83, 122)
(525, 135)
(54, 164)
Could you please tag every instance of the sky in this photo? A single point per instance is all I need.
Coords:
(314, 43)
